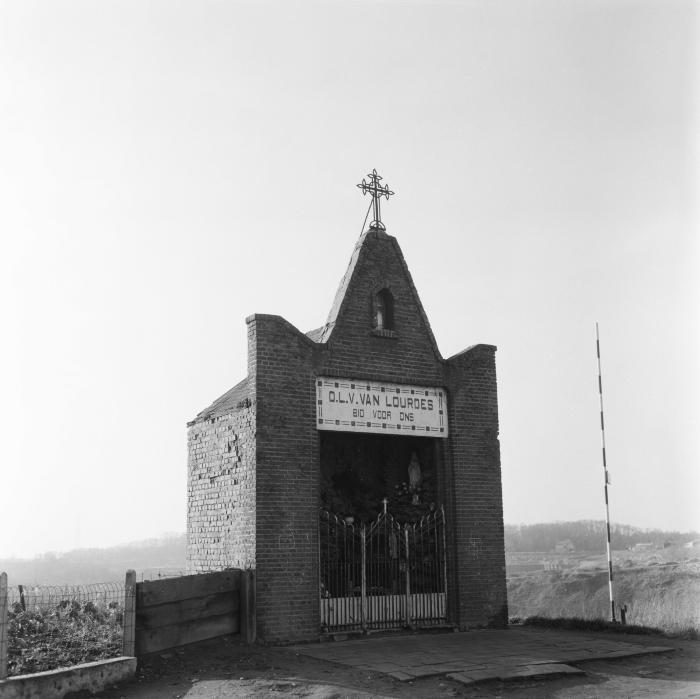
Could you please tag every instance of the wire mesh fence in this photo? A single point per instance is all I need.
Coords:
(50, 627)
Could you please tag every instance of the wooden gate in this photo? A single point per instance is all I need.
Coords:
(383, 575)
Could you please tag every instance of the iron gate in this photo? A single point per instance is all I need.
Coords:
(382, 575)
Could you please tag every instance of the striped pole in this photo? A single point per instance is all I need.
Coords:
(607, 477)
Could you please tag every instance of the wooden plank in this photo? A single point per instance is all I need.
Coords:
(179, 612)
(342, 612)
(128, 647)
(154, 640)
(248, 611)
(3, 626)
(172, 589)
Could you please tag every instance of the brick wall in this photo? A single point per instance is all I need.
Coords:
(221, 492)
(288, 478)
(476, 505)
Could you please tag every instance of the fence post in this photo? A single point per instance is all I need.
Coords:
(247, 606)
(129, 641)
(3, 626)
(408, 578)
(363, 583)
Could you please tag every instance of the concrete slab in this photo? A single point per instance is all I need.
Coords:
(55, 684)
(532, 671)
(401, 676)
(516, 673)
(463, 678)
(477, 656)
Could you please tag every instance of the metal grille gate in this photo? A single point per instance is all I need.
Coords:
(383, 575)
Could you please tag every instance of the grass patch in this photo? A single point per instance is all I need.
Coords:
(659, 597)
(580, 624)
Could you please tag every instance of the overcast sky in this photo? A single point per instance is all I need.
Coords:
(168, 168)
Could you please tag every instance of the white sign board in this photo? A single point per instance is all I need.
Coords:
(347, 405)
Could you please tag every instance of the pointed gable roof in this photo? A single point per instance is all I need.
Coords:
(327, 329)
(376, 258)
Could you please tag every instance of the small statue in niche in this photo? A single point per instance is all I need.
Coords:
(414, 478)
(393, 546)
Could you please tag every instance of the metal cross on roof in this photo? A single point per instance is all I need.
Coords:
(377, 191)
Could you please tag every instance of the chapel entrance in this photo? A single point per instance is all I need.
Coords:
(382, 551)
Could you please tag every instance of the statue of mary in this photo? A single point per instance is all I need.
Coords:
(414, 477)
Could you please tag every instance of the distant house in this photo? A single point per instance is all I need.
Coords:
(692, 544)
(644, 546)
(565, 546)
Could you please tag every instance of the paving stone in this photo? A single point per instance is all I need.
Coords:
(472, 677)
(539, 671)
(422, 671)
(381, 667)
(463, 678)
(448, 667)
(481, 675)
(623, 653)
(627, 653)
(401, 676)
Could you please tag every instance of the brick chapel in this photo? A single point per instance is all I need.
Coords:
(354, 468)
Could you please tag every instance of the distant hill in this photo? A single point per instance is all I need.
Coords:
(149, 558)
(167, 555)
(587, 535)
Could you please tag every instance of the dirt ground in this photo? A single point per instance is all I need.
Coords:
(225, 668)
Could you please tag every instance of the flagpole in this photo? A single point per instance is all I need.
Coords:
(607, 478)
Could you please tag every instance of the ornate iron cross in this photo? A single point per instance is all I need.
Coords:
(377, 191)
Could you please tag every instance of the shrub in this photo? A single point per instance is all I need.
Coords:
(47, 637)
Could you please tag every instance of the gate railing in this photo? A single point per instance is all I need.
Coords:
(382, 575)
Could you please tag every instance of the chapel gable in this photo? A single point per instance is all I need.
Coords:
(377, 305)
